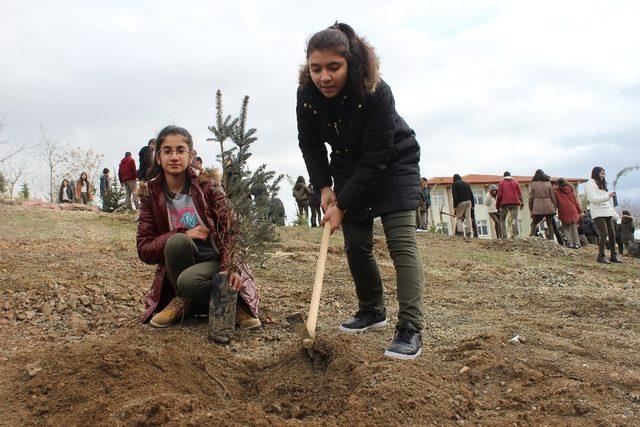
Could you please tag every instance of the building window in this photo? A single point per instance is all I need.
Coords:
(478, 197)
(443, 228)
(437, 198)
(483, 227)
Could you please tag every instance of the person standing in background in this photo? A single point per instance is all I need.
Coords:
(314, 202)
(423, 208)
(462, 203)
(127, 175)
(83, 189)
(542, 205)
(601, 208)
(145, 158)
(569, 212)
(492, 210)
(508, 202)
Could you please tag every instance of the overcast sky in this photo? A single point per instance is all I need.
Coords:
(488, 86)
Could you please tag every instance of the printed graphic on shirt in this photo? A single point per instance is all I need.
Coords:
(185, 217)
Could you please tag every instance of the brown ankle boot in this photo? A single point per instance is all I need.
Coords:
(174, 311)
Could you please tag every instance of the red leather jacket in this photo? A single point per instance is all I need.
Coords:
(153, 232)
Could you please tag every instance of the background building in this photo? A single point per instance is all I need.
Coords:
(442, 210)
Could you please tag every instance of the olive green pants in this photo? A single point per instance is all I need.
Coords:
(190, 275)
(400, 231)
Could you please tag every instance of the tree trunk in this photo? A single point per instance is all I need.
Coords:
(222, 310)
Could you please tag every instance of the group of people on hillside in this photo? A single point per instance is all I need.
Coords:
(79, 191)
(547, 198)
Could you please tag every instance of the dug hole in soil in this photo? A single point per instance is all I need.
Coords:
(72, 352)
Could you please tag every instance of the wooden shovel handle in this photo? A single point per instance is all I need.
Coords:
(317, 284)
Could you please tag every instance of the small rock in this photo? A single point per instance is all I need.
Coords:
(33, 368)
(517, 339)
(46, 309)
(78, 323)
(85, 300)
(30, 314)
(463, 370)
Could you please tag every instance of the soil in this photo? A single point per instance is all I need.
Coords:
(73, 353)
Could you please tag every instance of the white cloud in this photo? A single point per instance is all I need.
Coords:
(488, 86)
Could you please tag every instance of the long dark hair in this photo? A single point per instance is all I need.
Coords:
(361, 58)
(600, 182)
(540, 176)
(86, 178)
(164, 133)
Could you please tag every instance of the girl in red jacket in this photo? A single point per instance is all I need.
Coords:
(183, 229)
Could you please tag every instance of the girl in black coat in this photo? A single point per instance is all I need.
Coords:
(374, 172)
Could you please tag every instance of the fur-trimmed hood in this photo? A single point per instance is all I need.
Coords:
(370, 83)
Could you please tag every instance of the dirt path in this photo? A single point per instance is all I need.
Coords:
(71, 351)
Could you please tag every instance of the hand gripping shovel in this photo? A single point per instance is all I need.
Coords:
(307, 332)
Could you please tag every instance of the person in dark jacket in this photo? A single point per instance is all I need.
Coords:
(626, 231)
(145, 160)
(373, 168)
(66, 193)
(587, 227)
(462, 203)
(105, 183)
(302, 193)
(276, 211)
(184, 229)
(314, 204)
(422, 218)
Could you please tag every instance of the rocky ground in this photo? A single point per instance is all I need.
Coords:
(72, 352)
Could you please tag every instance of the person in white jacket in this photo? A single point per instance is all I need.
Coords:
(602, 212)
(492, 210)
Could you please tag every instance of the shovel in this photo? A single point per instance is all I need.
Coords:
(307, 331)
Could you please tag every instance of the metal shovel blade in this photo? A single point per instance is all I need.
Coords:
(297, 323)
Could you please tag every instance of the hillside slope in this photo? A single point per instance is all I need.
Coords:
(72, 352)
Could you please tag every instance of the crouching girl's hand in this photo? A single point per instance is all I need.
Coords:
(235, 281)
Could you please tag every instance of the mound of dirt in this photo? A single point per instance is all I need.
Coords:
(146, 379)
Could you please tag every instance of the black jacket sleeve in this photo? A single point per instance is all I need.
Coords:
(314, 152)
(377, 148)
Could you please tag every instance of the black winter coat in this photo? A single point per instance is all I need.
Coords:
(374, 153)
(461, 192)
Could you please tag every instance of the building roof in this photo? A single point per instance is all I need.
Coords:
(491, 179)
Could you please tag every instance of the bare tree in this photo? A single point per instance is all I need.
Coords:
(14, 148)
(78, 160)
(52, 151)
(13, 172)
